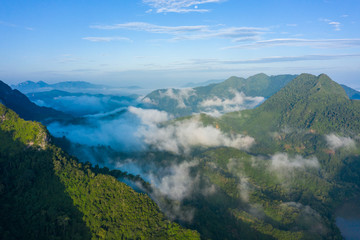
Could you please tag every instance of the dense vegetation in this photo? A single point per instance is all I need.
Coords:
(286, 186)
(308, 102)
(46, 194)
(289, 183)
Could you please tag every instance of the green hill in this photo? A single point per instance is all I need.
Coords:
(46, 194)
(304, 163)
(233, 94)
(308, 102)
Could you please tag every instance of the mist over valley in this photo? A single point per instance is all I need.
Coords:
(179, 119)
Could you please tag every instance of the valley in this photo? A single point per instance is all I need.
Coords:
(269, 169)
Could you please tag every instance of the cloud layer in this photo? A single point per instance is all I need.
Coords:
(191, 32)
(216, 106)
(297, 42)
(181, 137)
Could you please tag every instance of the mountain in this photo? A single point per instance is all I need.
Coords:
(199, 84)
(307, 102)
(352, 93)
(25, 108)
(71, 86)
(303, 163)
(233, 94)
(47, 194)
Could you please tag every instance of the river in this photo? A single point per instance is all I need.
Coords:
(348, 219)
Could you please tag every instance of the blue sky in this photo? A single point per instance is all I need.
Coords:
(159, 43)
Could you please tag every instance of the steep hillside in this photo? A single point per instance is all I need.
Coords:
(308, 102)
(26, 109)
(302, 165)
(231, 95)
(46, 194)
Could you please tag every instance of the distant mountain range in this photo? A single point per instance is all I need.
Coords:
(79, 104)
(217, 98)
(71, 86)
(233, 94)
(352, 93)
(200, 84)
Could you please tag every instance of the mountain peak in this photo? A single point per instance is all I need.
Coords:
(307, 102)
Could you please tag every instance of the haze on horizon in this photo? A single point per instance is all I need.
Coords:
(161, 43)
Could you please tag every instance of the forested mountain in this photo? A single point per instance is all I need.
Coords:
(304, 161)
(277, 171)
(308, 102)
(26, 109)
(233, 94)
(47, 194)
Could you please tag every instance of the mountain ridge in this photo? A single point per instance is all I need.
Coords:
(28, 110)
(306, 102)
(236, 92)
(31, 86)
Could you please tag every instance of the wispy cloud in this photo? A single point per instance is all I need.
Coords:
(106, 39)
(179, 6)
(276, 59)
(336, 25)
(282, 161)
(296, 42)
(191, 32)
(7, 24)
(143, 26)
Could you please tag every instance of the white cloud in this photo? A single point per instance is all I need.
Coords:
(336, 25)
(336, 142)
(194, 32)
(297, 42)
(178, 183)
(244, 189)
(105, 39)
(148, 27)
(223, 105)
(150, 116)
(179, 6)
(181, 137)
(283, 162)
(180, 95)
